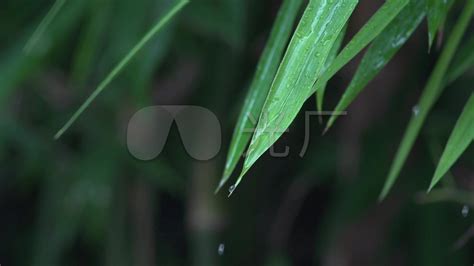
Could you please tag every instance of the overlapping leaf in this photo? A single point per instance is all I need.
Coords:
(437, 12)
(461, 137)
(429, 96)
(382, 50)
(308, 50)
(367, 34)
(258, 91)
(332, 56)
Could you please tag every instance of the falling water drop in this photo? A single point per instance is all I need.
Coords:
(220, 249)
(465, 211)
(416, 110)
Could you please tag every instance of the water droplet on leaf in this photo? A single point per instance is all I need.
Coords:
(416, 110)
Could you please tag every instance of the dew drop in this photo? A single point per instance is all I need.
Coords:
(220, 249)
(465, 211)
(416, 110)
(231, 188)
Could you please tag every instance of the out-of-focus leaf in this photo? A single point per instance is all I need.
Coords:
(223, 20)
(258, 91)
(332, 55)
(369, 32)
(461, 137)
(462, 62)
(90, 41)
(430, 94)
(17, 65)
(119, 67)
(437, 12)
(307, 52)
(43, 25)
(382, 50)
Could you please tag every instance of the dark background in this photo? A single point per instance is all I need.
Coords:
(84, 200)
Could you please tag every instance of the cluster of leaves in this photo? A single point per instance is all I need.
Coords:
(84, 190)
(284, 80)
(312, 58)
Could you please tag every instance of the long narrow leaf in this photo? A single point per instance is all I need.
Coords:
(332, 56)
(429, 96)
(437, 12)
(382, 50)
(461, 137)
(43, 25)
(307, 52)
(258, 91)
(119, 67)
(367, 34)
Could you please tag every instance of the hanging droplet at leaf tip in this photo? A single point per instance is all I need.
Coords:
(231, 190)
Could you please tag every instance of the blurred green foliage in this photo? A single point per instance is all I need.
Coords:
(84, 200)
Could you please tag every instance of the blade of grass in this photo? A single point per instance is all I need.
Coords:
(258, 91)
(367, 34)
(437, 12)
(119, 67)
(429, 96)
(332, 56)
(461, 137)
(43, 25)
(382, 50)
(307, 52)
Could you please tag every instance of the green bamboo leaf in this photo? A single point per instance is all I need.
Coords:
(463, 61)
(43, 25)
(258, 91)
(429, 96)
(121, 65)
(382, 50)
(307, 52)
(437, 12)
(367, 34)
(461, 137)
(332, 56)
